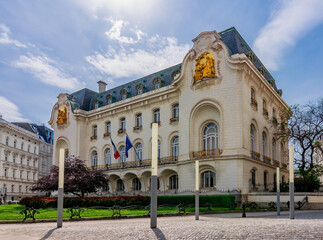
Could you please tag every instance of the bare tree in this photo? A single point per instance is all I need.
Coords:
(302, 125)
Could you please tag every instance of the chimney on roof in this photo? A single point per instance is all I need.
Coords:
(101, 86)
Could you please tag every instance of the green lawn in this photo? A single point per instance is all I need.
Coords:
(12, 212)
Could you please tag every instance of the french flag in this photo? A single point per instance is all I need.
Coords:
(116, 153)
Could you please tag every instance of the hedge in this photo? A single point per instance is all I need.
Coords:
(47, 202)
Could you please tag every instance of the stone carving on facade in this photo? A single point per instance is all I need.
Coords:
(204, 67)
(62, 116)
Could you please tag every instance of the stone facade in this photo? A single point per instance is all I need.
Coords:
(19, 156)
(225, 98)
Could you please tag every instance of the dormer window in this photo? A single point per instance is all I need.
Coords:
(109, 99)
(139, 89)
(123, 94)
(157, 83)
(96, 104)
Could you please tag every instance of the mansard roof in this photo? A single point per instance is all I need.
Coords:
(41, 130)
(84, 99)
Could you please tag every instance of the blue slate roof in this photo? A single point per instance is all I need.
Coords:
(45, 134)
(84, 99)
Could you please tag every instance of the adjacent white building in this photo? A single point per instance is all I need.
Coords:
(214, 107)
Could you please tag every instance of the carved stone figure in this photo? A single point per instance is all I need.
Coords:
(62, 116)
(204, 67)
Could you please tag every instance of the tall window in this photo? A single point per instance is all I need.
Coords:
(265, 180)
(122, 154)
(14, 158)
(21, 173)
(253, 178)
(252, 138)
(175, 147)
(107, 156)
(210, 137)
(253, 94)
(96, 104)
(12, 188)
(136, 184)
(158, 153)
(282, 152)
(19, 188)
(274, 149)
(157, 116)
(22, 146)
(26, 188)
(120, 185)
(173, 182)
(94, 158)
(15, 144)
(123, 124)
(6, 157)
(108, 127)
(27, 162)
(138, 120)
(7, 141)
(157, 83)
(138, 150)
(5, 172)
(14, 173)
(139, 89)
(176, 111)
(264, 104)
(208, 179)
(35, 150)
(95, 131)
(28, 148)
(264, 143)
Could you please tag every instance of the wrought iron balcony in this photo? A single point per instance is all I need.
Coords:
(206, 153)
(276, 163)
(255, 155)
(267, 159)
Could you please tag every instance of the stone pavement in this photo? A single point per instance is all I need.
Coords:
(264, 225)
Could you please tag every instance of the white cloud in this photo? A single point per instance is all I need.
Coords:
(47, 71)
(10, 111)
(5, 39)
(137, 62)
(291, 21)
(115, 32)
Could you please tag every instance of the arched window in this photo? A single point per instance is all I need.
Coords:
(66, 154)
(283, 179)
(139, 89)
(158, 153)
(15, 144)
(264, 144)
(122, 154)
(157, 83)
(109, 99)
(138, 150)
(210, 137)
(253, 178)
(157, 115)
(120, 186)
(274, 149)
(281, 152)
(123, 94)
(175, 147)
(94, 158)
(136, 184)
(208, 179)
(252, 138)
(173, 182)
(107, 156)
(176, 111)
(7, 141)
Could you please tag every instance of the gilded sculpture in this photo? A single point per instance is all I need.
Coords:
(62, 116)
(204, 67)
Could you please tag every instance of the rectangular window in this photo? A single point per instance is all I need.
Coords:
(108, 127)
(139, 120)
(123, 124)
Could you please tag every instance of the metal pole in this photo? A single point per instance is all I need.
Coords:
(153, 183)
(60, 197)
(278, 192)
(291, 183)
(197, 188)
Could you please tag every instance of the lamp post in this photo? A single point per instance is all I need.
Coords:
(291, 182)
(278, 192)
(197, 188)
(60, 197)
(153, 180)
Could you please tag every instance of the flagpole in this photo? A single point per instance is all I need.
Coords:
(133, 147)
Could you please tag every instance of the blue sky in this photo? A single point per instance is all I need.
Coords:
(48, 47)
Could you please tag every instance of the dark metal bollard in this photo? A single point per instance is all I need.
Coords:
(243, 210)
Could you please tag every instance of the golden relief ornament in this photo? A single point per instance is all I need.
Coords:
(204, 67)
(62, 115)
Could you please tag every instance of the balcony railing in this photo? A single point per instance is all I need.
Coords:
(267, 159)
(136, 128)
(206, 153)
(255, 155)
(93, 137)
(276, 163)
(121, 131)
(284, 165)
(174, 119)
(254, 102)
(265, 112)
(106, 134)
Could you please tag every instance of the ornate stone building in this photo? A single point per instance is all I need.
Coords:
(19, 156)
(214, 107)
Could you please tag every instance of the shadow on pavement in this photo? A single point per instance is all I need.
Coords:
(159, 234)
(48, 234)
